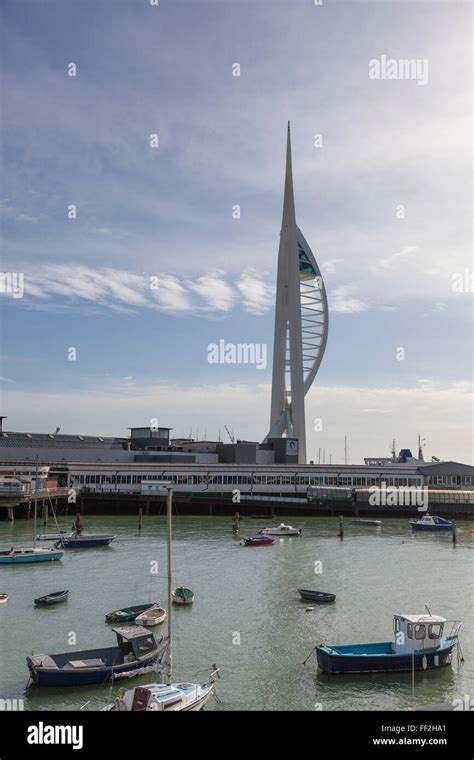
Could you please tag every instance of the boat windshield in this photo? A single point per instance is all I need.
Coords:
(435, 630)
(145, 645)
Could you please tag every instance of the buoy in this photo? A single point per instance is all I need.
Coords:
(309, 609)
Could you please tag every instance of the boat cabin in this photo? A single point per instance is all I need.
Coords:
(135, 643)
(415, 632)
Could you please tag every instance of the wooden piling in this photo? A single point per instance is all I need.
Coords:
(45, 515)
(341, 527)
(140, 514)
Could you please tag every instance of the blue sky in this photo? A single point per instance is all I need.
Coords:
(167, 212)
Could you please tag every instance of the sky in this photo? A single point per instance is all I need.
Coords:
(384, 201)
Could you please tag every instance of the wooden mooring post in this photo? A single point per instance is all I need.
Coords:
(140, 515)
(45, 514)
(341, 528)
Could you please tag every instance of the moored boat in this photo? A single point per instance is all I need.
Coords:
(154, 616)
(418, 644)
(431, 522)
(185, 697)
(24, 555)
(57, 597)
(135, 652)
(258, 540)
(182, 595)
(127, 614)
(53, 536)
(76, 541)
(281, 530)
(315, 596)
(364, 521)
(3, 598)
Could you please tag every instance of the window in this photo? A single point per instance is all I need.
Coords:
(396, 625)
(435, 631)
(146, 645)
(410, 631)
(420, 631)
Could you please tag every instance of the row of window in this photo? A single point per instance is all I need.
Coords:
(266, 480)
(450, 480)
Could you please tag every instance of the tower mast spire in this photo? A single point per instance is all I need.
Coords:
(301, 323)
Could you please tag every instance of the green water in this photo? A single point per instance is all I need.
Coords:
(245, 594)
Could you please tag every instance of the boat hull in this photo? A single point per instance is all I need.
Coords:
(153, 616)
(86, 543)
(331, 662)
(22, 559)
(50, 599)
(258, 541)
(182, 595)
(130, 613)
(85, 677)
(431, 528)
(316, 596)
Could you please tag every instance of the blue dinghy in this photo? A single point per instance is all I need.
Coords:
(55, 598)
(418, 644)
(431, 522)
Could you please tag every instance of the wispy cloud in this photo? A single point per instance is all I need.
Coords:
(257, 291)
(343, 301)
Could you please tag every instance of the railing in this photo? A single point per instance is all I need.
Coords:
(455, 627)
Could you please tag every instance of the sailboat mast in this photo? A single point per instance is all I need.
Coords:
(169, 501)
(36, 503)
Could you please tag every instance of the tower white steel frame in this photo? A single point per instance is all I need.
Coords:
(301, 324)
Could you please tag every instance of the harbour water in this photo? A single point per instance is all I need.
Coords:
(246, 617)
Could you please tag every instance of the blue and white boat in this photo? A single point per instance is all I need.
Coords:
(174, 697)
(81, 541)
(419, 644)
(431, 522)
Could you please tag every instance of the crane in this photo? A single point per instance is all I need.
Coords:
(232, 439)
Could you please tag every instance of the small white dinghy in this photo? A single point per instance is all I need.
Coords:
(281, 530)
(154, 616)
(3, 598)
